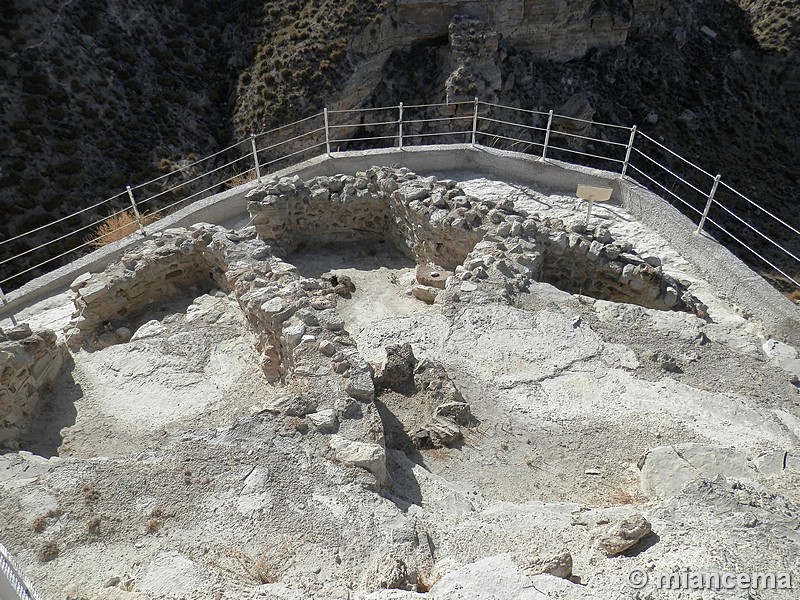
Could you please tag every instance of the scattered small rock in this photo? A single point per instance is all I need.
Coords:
(622, 535)
(558, 565)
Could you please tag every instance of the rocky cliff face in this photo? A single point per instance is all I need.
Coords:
(551, 29)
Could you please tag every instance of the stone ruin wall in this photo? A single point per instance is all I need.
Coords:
(297, 332)
(495, 252)
(373, 204)
(434, 221)
(29, 361)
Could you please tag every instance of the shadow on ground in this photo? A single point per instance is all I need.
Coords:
(56, 412)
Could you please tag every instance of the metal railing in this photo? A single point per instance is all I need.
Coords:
(14, 585)
(549, 136)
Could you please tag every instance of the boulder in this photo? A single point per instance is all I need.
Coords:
(291, 405)
(371, 457)
(665, 470)
(323, 421)
(426, 293)
(360, 384)
(432, 276)
(458, 412)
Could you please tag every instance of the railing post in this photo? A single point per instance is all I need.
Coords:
(255, 157)
(628, 153)
(400, 128)
(708, 203)
(547, 134)
(136, 211)
(327, 133)
(475, 123)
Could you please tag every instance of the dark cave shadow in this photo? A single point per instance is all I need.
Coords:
(56, 411)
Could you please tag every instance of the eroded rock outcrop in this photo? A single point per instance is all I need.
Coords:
(553, 30)
(476, 65)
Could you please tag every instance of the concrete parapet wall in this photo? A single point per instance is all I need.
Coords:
(733, 280)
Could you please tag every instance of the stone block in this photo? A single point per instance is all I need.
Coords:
(371, 457)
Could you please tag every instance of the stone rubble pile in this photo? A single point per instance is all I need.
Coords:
(29, 361)
(426, 383)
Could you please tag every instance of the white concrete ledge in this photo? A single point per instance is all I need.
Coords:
(734, 280)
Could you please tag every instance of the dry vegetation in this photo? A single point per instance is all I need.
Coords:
(93, 524)
(776, 23)
(246, 177)
(49, 550)
(119, 226)
(300, 59)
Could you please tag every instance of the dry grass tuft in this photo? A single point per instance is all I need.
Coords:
(48, 551)
(620, 497)
(242, 178)
(93, 524)
(39, 524)
(267, 565)
(153, 525)
(118, 226)
(90, 494)
(262, 571)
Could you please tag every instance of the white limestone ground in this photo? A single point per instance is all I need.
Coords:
(196, 498)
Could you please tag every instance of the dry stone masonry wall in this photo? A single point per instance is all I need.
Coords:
(298, 333)
(376, 203)
(29, 361)
(435, 222)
